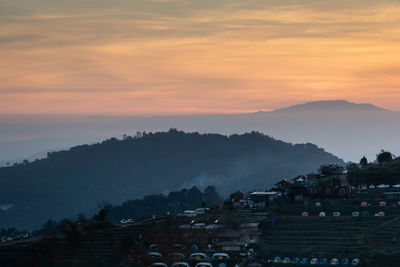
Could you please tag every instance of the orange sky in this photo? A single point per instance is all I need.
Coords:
(190, 56)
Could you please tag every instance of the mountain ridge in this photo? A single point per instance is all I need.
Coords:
(73, 181)
(331, 105)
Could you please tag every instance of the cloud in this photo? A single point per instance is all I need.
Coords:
(175, 56)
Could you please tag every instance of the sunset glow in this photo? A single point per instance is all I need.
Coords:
(185, 57)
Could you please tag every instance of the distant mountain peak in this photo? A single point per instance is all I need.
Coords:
(332, 105)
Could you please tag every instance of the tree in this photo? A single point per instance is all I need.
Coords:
(101, 216)
(363, 161)
(384, 156)
(211, 196)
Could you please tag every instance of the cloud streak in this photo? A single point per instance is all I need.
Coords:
(157, 57)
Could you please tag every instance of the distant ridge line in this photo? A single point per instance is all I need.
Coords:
(332, 105)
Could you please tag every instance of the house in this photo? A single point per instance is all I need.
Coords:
(313, 176)
(299, 179)
(263, 199)
(297, 191)
(331, 169)
(237, 196)
(328, 191)
(283, 184)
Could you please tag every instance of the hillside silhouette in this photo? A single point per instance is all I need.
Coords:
(77, 180)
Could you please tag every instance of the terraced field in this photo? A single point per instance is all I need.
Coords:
(386, 237)
(97, 248)
(375, 240)
(318, 237)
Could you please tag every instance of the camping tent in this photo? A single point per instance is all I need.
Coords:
(322, 214)
(381, 213)
(324, 261)
(286, 260)
(220, 256)
(382, 203)
(314, 261)
(296, 261)
(277, 260)
(336, 213)
(318, 204)
(355, 214)
(198, 256)
(304, 261)
(345, 261)
(180, 264)
(155, 255)
(334, 261)
(355, 262)
(364, 204)
(203, 264)
(304, 214)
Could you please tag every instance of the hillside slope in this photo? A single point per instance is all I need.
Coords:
(76, 180)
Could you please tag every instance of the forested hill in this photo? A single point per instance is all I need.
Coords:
(76, 180)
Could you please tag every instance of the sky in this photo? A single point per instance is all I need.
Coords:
(149, 57)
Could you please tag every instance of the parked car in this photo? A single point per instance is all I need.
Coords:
(190, 213)
(199, 226)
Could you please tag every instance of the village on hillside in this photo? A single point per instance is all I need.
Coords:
(331, 217)
(326, 217)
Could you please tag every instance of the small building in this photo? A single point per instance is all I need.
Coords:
(331, 169)
(283, 184)
(300, 179)
(237, 196)
(313, 176)
(263, 199)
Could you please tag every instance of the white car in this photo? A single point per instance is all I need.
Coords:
(382, 186)
(199, 226)
(123, 221)
(213, 226)
(190, 213)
